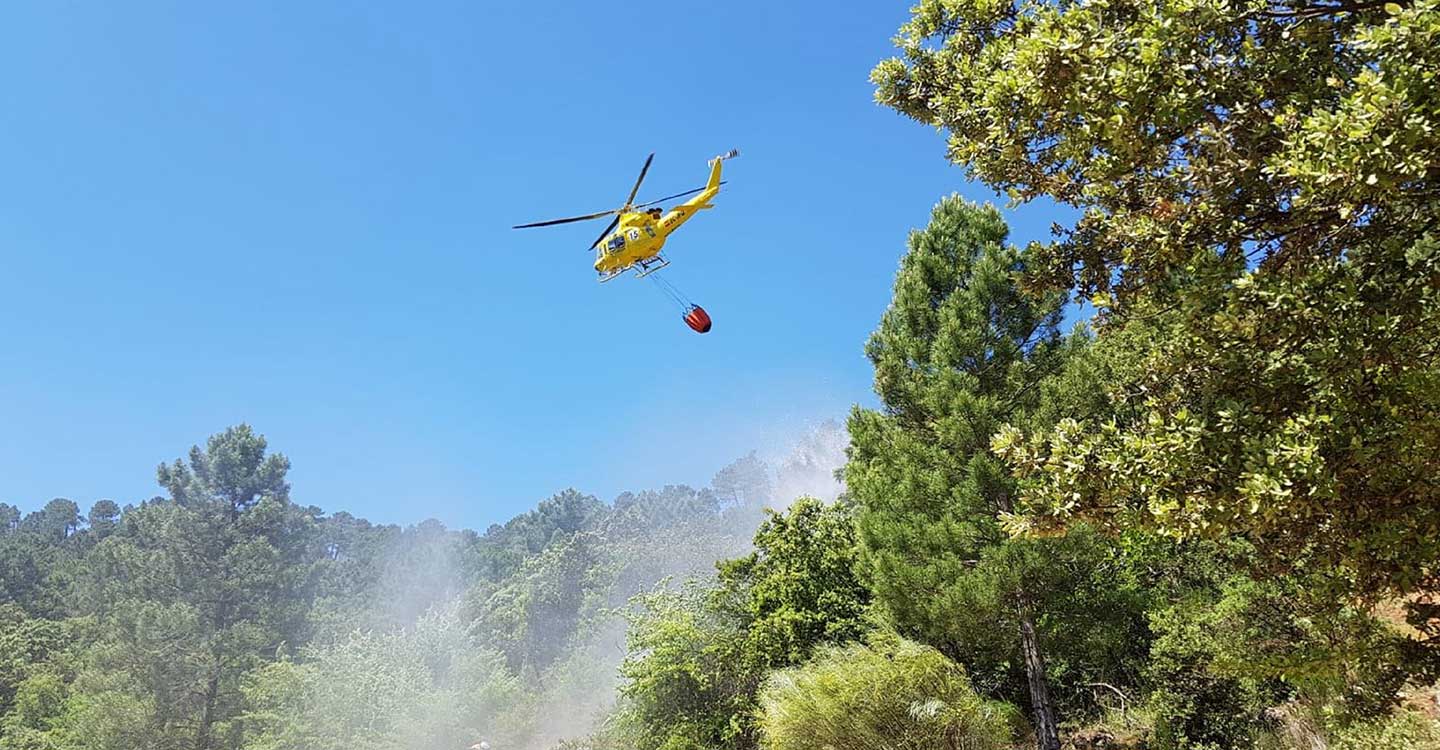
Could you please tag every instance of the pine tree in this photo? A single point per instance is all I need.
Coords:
(959, 353)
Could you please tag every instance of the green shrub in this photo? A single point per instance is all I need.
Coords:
(888, 692)
(1405, 728)
(1304, 726)
(1196, 706)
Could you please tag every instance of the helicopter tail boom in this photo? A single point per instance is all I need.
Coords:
(682, 213)
(714, 183)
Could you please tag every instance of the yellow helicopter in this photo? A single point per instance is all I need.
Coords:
(638, 232)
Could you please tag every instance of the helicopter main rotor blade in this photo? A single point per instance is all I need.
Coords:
(613, 222)
(552, 222)
(640, 179)
(670, 197)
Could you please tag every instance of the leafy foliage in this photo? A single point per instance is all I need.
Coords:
(428, 686)
(1198, 705)
(226, 616)
(697, 655)
(28, 682)
(1258, 191)
(1311, 431)
(687, 683)
(1190, 132)
(798, 588)
(532, 616)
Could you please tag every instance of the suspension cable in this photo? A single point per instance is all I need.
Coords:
(670, 290)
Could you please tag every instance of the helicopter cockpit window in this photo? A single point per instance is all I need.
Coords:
(616, 242)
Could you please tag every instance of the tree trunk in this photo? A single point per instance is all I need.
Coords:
(1047, 735)
(203, 740)
(207, 716)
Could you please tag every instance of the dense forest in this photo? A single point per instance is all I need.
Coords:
(225, 615)
(1205, 517)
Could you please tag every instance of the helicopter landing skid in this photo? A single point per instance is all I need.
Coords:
(648, 268)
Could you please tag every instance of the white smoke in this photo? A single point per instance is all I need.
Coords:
(810, 466)
(584, 686)
(574, 695)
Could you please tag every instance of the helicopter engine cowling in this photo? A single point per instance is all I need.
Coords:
(698, 319)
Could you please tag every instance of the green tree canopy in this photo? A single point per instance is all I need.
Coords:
(1258, 188)
(103, 519)
(799, 585)
(193, 591)
(1191, 133)
(959, 353)
(696, 656)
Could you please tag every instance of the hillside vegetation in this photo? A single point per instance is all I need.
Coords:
(1206, 517)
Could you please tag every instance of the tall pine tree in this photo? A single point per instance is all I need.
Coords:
(192, 592)
(959, 353)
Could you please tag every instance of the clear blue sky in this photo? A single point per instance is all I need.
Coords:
(297, 215)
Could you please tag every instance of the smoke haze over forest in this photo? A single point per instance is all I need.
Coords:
(515, 632)
(1126, 314)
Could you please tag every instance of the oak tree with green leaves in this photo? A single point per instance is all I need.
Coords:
(1259, 183)
(1192, 133)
